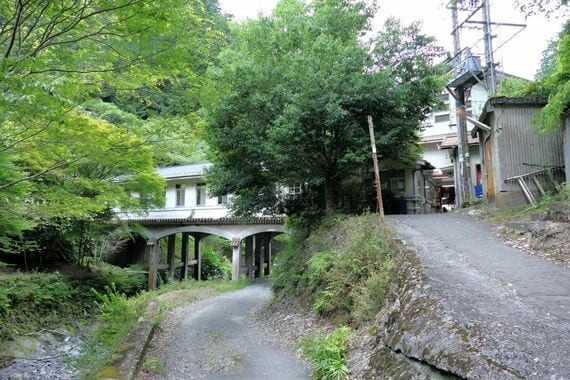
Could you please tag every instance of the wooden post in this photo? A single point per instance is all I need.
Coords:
(171, 249)
(249, 260)
(152, 252)
(184, 255)
(236, 255)
(258, 256)
(197, 257)
(376, 169)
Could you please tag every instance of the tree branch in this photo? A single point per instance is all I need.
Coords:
(19, 11)
(42, 173)
(21, 140)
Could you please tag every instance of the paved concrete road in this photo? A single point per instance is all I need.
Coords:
(521, 303)
(217, 339)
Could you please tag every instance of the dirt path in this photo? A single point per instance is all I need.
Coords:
(218, 339)
(518, 304)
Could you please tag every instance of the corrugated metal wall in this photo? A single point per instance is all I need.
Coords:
(519, 142)
(520, 148)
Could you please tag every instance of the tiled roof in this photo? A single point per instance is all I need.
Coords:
(210, 221)
(430, 139)
(184, 171)
(451, 141)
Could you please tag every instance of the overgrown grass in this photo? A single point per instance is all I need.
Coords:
(153, 365)
(343, 269)
(502, 215)
(327, 354)
(30, 302)
(118, 314)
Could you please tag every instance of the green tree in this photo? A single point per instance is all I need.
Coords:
(61, 152)
(557, 82)
(292, 94)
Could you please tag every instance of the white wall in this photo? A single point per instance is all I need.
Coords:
(436, 157)
(478, 98)
(211, 208)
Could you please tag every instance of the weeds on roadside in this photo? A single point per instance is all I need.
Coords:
(154, 365)
(502, 215)
(343, 269)
(327, 354)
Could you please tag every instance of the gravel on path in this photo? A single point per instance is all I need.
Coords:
(218, 339)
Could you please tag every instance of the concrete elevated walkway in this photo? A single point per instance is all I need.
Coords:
(252, 234)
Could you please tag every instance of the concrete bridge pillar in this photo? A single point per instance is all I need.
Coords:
(266, 242)
(197, 256)
(171, 256)
(152, 252)
(236, 254)
(268, 253)
(249, 259)
(184, 256)
(258, 255)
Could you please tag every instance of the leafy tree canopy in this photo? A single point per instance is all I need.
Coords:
(292, 92)
(88, 93)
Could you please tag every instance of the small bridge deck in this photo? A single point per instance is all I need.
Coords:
(252, 234)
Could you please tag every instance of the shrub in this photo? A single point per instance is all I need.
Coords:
(33, 301)
(115, 314)
(214, 265)
(327, 354)
(107, 275)
(343, 269)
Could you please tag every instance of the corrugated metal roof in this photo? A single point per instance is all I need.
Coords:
(184, 171)
(520, 100)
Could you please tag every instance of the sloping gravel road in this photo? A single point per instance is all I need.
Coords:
(517, 305)
(218, 339)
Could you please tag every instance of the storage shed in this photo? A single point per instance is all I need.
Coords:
(519, 161)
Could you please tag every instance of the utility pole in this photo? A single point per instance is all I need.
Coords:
(463, 165)
(376, 169)
(468, 74)
(490, 74)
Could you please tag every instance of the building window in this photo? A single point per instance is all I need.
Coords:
(293, 190)
(201, 195)
(223, 200)
(441, 118)
(180, 194)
